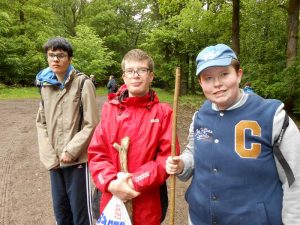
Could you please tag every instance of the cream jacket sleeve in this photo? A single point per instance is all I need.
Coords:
(290, 148)
(187, 155)
(81, 140)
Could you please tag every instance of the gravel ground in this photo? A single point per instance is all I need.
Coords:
(24, 183)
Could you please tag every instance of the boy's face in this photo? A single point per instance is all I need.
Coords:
(58, 61)
(137, 77)
(220, 85)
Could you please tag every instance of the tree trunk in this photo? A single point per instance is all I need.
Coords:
(192, 74)
(236, 26)
(184, 74)
(293, 22)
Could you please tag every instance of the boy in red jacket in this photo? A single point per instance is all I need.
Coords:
(134, 112)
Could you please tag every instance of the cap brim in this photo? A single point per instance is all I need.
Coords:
(214, 62)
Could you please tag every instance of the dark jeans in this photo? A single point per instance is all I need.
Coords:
(71, 195)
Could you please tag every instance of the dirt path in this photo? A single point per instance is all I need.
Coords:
(24, 183)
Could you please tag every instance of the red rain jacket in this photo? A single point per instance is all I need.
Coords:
(148, 123)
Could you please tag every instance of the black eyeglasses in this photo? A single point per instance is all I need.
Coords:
(60, 56)
(129, 73)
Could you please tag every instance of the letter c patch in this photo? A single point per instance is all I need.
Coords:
(240, 145)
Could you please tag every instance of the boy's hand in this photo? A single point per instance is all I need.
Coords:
(66, 158)
(174, 165)
(122, 188)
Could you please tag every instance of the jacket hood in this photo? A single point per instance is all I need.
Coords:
(122, 99)
(49, 77)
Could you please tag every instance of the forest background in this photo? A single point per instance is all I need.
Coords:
(264, 33)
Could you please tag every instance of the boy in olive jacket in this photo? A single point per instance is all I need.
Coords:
(65, 122)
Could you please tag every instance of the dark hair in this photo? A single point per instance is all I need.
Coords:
(58, 43)
(138, 55)
(236, 64)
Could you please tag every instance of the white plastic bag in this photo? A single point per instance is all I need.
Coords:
(115, 213)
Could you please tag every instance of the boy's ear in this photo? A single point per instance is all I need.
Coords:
(199, 81)
(151, 76)
(123, 78)
(240, 74)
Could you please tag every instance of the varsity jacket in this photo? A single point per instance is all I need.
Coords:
(235, 177)
(58, 120)
(147, 123)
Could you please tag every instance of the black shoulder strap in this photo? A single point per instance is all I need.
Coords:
(39, 86)
(287, 169)
(81, 105)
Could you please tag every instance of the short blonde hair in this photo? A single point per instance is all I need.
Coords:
(137, 55)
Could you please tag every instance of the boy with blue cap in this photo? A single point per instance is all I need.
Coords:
(236, 179)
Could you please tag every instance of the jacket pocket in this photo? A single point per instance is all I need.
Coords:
(262, 213)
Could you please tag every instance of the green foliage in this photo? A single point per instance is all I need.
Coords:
(169, 8)
(187, 29)
(162, 46)
(288, 89)
(263, 46)
(21, 37)
(90, 54)
(5, 22)
(69, 13)
(171, 31)
(122, 25)
(263, 39)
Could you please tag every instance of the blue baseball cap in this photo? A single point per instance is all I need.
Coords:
(218, 55)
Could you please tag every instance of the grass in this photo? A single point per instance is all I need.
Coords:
(193, 101)
(30, 92)
(101, 91)
(19, 93)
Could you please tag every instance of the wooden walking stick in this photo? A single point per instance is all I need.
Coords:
(123, 149)
(173, 150)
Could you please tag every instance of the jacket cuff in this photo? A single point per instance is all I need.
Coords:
(65, 150)
(54, 166)
(69, 154)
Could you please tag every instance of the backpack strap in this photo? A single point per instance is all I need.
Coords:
(81, 105)
(39, 86)
(287, 169)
